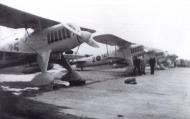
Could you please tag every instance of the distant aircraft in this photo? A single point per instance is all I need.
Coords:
(120, 57)
(169, 60)
(48, 37)
(147, 53)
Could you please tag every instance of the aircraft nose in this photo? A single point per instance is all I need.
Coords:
(87, 38)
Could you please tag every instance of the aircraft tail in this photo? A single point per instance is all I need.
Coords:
(125, 52)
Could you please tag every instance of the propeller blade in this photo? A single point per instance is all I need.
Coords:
(87, 38)
(92, 43)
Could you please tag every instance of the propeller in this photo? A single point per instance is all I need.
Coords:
(84, 36)
(87, 38)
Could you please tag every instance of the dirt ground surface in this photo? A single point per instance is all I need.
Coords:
(165, 95)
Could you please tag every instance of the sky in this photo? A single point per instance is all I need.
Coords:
(162, 24)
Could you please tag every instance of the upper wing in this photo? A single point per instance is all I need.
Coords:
(111, 40)
(14, 18)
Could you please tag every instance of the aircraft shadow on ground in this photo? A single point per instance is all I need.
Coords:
(18, 107)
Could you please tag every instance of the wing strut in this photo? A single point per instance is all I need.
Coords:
(107, 47)
(25, 42)
(26, 30)
(39, 23)
(77, 50)
(115, 50)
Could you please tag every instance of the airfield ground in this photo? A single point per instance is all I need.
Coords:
(165, 95)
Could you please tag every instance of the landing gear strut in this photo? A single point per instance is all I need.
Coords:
(72, 76)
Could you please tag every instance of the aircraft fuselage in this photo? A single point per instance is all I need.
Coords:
(55, 38)
(25, 50)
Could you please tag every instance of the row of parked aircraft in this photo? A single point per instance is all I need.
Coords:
(52, 42)
(123, 57)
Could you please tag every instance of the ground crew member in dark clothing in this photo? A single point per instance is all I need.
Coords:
(143, 66)
(139, 66)
(152, 63)
(137, 63)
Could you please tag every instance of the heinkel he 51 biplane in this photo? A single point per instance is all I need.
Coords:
(49, 37)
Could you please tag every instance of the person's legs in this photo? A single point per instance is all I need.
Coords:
(139, 70)
(134, 70)
(143, 70)
(151, 70)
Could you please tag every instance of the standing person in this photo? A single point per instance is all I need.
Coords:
(139, 66)
(152, 63)
(175, 64)
(135, 65)
(143, 66)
